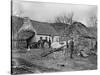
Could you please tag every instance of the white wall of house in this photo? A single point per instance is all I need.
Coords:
(56, 38)
(53, 39)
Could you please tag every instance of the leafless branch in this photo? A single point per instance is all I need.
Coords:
(93, 21)
(67, 19)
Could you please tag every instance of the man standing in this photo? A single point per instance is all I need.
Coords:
(46, 43)
(71, 47)
(49, 43)
(40, 42)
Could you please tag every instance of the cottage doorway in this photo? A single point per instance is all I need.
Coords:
(25, 38)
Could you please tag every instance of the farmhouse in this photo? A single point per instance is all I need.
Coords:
(44, 29)
(31, 31)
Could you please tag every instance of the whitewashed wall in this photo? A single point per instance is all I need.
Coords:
(56, 38)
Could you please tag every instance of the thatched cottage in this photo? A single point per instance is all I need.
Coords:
(32, 30)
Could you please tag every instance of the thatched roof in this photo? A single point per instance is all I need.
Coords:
(23, 35)
(78, 28)
(16, 24)
(40, 27)
(44, 28)
(59, 27)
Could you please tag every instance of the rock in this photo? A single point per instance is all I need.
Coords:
(83, 54)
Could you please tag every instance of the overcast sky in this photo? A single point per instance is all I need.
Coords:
(46, 12)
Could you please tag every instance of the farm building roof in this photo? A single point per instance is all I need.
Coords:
(44, 28)
(40, 27)
(78, 28)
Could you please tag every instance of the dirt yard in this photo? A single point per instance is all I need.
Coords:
(60, 64)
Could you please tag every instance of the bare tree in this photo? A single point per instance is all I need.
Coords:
(92, 21)
(17, 9)
(67, 19)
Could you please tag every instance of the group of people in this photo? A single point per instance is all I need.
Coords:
(44, 43)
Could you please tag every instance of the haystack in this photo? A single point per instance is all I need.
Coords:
(25, 34)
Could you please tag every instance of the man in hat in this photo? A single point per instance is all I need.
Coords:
(40, 42)
(71, 43)
(46, 43)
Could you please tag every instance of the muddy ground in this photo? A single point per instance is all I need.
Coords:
(51, 64)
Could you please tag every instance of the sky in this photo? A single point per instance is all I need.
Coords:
(46, 12)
